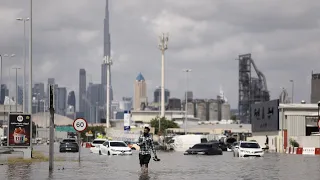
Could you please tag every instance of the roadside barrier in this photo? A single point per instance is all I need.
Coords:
(303, 150)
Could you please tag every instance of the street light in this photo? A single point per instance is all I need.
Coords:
(16, 87)
(186, 95)
(24, 61)
(292, 90)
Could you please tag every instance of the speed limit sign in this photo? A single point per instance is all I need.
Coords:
(80, 124)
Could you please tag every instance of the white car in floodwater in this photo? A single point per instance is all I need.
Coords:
(115, 148)
(95, 145)
(248, 149)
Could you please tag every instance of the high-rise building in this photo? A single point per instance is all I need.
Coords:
(4, 92)
(38, 90)
(140, 93)
(106, 52)
(72, 99)
(157, 95)
(61, 100)
(189, 96)
(94, 94)
(315, 86)
(20, 95)
(82, 90)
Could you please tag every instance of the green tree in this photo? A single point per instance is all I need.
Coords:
(233, 117)
(164, 124)
(94, 130)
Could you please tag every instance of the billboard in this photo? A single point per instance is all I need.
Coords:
(265, 116)
(126, 120)
(19, 130)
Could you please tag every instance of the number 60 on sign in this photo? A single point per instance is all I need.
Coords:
(80, 124)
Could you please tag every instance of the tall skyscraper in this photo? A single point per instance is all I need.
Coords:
(82, 90)
(72, 99)
(140, 93)
(94, 94)
(106, 52)
(61, 100)
(38, 90)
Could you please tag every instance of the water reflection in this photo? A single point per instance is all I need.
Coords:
(173, 166)
(19, 171)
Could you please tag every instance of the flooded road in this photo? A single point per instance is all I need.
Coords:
(172, 166)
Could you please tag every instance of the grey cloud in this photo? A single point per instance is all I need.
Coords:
(206, 36)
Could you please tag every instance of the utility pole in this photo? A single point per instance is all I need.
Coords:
(51, 138)
(108, 61)
(163, 46)
(16, 99)
(186, 95)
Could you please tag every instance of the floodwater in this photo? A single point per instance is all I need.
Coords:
(172, 166)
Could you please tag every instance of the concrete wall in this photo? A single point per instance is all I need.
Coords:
(307, 141)
(275, 139)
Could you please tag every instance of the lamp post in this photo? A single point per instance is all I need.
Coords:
(186, 96)
(24, 61)
(163, 46)
(292, 90)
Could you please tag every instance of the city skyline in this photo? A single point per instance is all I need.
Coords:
(208, 42)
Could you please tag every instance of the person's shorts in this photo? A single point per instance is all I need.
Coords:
(145, 158)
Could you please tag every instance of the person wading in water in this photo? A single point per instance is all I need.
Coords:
(146, 147)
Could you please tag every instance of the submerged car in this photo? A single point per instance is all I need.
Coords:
(115, 148)
(248, 148)
(204, 149)
(95, 145)
(69, 145)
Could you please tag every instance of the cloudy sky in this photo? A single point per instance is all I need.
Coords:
(205, 35)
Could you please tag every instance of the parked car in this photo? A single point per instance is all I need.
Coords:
(204, 149)
(69, 145)
(248, 148)
(95, 145)
(115, 148)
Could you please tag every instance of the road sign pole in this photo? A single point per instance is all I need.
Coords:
(51, 138)
(79, 125)
(79, 141)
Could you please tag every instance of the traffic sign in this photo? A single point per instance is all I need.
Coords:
(80, 124)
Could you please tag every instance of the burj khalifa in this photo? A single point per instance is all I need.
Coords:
(106, 52)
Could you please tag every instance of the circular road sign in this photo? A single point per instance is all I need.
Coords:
(80, 124)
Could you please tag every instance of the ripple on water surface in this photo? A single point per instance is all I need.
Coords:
(173, 166)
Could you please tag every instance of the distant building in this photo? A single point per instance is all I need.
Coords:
(125, 104)
(157, 95)
(189, 96)
(20, 95)
(174, 104)
(315, 86)
(82, 90)
(140, 93)
(38, 90)
(72, 99)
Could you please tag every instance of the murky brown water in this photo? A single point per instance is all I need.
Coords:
(172, 166)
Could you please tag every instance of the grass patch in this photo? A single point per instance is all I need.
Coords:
(37, 157)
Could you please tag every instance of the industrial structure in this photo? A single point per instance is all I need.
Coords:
(315, 85)
(251, 89)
